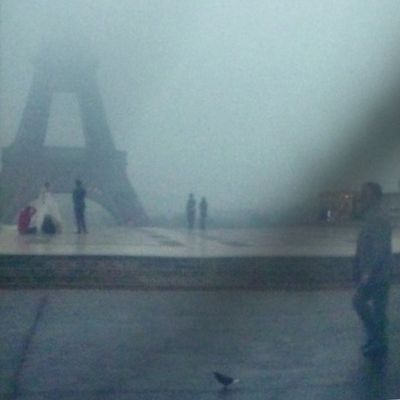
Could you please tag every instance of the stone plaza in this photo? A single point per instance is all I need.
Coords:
(154, 331)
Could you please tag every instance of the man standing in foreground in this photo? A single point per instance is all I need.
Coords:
(78, 198)
(372, 269)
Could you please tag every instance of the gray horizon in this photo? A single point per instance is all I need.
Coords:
(256, 105)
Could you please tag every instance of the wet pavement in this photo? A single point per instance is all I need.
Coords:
(325, 241)
(93, 344)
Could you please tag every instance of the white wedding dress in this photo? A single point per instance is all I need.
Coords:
(46, 204)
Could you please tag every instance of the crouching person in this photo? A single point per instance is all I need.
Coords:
(26, 223)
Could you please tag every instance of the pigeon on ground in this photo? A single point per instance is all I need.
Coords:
(224, 379)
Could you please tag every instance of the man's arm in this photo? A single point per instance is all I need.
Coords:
(366, 254)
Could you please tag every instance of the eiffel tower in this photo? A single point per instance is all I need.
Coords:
(27, 163)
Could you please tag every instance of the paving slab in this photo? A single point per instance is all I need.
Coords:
(117, 344)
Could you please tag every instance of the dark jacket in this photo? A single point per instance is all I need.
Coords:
(78, 197)
(374, 248)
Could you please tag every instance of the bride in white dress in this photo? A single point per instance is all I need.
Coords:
(47, 206)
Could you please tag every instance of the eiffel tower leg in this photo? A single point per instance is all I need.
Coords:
(99, 165)
(33, 126)
(22, 175)
(112, 189)
(19, 186)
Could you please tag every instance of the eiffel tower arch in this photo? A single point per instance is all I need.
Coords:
(27, 163)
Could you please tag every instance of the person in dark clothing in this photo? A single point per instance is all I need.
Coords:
(191, 211)
(372, 269)
(203, 213)
(78, 197)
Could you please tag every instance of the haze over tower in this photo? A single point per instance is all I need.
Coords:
(67, 66)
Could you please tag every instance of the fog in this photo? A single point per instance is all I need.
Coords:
(254, 104)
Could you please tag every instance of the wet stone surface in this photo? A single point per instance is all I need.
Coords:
(93, 344)
(326, 241)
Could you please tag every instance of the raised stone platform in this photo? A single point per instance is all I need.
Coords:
(146, 258)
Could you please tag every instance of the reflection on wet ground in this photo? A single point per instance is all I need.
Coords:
(291, 241)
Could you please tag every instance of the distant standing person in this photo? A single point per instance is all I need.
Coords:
(78, 197)
(203, 213)
(372, 269)
(191, 211)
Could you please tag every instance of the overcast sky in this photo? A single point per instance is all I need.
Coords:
(247, 102)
